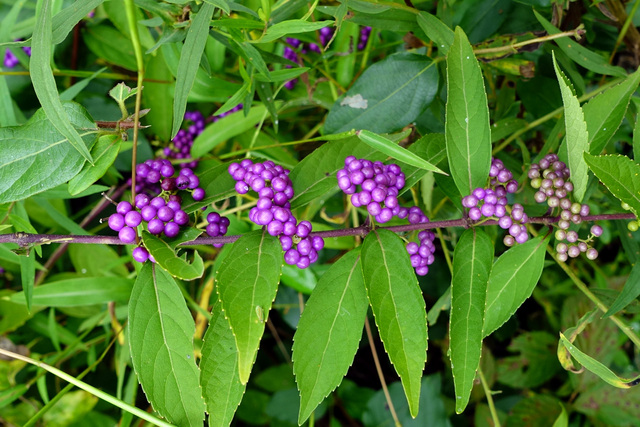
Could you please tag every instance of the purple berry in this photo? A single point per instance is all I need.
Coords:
(124, 207)
(140, 254)
(198, 194)
(155, 226)
(171, 229)
(116, 222)
(291, 257)
(133, 219)
(127, 235)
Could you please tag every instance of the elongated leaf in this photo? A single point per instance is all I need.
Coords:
(564, 357)
(293, 26)
(513, 277)
(189, 62)
(253, 57)
(226, 128)
(620, 175)
(111, 45)
(27, 276)
(387, 147)
(161, 342)
(247, 283)
(605, 112)
(430, 147)
(437, 31)
(329, 332)
(577, 139)
(472, 261)
(467, 118)
(315, 175)
(398, 307)
(629, 293)
(104, 153)
(580, 54)
(219, 378)
(389, 95)
(65, 20)
(598, 368)
(36, 157)
(78, 292)
(43, 82)
(167, 258)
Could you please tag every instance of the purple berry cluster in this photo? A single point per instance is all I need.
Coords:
(365, 32)
(161, 214)
(551, 178)
(296, 46)
(491, 202)
(273, 209)
(217, 226)
(373, 185)
(10, 60)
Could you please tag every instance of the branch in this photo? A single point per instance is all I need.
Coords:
(26, 240)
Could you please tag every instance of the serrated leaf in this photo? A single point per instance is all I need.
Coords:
(629, 293)
(219, 378)
(104, 153)
(36, 157)
(577, 137)
(247, 284)
(293, 26)
(161, 342)
(392, 93)
(535, 363)
(79, 292)
(579, 54)
(386, 146)
(329, 332)
(398, 306)
(512, 280)
(315, 175)
(167, 258)
(189, 62)
(605, 112)
(472, 261)
(437, 31)
(467, 118)
(44, 84)
(598, 368)
(121, 92)
(620, 175)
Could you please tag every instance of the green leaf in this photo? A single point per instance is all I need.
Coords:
(74, 90)
(293, 26)
(315, 175)
(472, 261)
(36, 157)
(564, 357)
(398, 307)
(630, 292)
(598, 368)
(161, 342)
(246, 284)
(28, 275)
(111, 45)
(167, 258)
(43, 82)
(104, 153)
(253, 57)
(65, 20)
(467, 118)
(189, 63)
(226, 128)
(79, 292)
(389, 95)
(605, 112)
(121, 92)
(389, 148)
(513, 277)
(97, 260)
(217, 184)
(219, 378)
(579, 54)
(329, 332)
(535, 364)
(157, 96)
(431, 148)
(222, 4)
(437, 31)
(577, 139)
(620, 175)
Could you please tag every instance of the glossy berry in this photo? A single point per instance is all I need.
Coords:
(140, 254)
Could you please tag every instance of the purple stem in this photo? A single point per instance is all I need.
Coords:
(26, 239)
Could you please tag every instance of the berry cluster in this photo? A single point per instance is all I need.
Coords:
(161, 214)
(152, 172)
(550, 176)
(422, 254)
(378, 186)
(217, 226)
(10, 60)
(365, 32)
(273, 209)
(491, 202)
